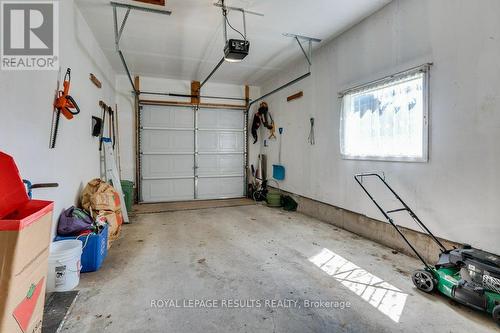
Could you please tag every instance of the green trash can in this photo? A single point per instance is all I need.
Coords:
(128, 191)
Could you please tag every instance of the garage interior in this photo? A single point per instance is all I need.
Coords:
(252, 166)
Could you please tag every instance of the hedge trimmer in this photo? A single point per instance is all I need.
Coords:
(63, 103)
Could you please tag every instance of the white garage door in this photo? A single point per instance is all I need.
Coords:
(184, 161)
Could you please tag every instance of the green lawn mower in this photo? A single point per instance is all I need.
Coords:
(467, 275)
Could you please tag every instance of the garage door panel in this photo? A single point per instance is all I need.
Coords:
(167, 166)
(216, 188)
(167, 141)
(221, 119)
(165, 116)
(220, 146)
(168, 153)
(220, 141)
(159, 190)
(220, 164)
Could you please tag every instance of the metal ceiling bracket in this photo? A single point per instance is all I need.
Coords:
(244, 25)
(224, 27)
(123, 24)
(115, 26)
(307, 55)
(218, 4)
(119, 30)
(316, 40)
(309, 40)
(243, 13)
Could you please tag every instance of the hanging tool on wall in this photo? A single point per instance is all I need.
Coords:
(64, 104)
(279, 169)
(311, 138)
(106, 109)
(111, 131)
(260, 117)
(30, 186)
(96, 126)
(273, 128)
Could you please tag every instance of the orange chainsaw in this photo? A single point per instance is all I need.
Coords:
(64, 104)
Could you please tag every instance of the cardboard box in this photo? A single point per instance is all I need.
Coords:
(24, 250)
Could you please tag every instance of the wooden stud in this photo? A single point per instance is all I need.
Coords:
(247, 95)
(153, 2)
(295, 96)
(195, 91)
(137, 83)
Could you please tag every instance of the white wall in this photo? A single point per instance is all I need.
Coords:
(457, 193)
(26, 112)
(125, 101)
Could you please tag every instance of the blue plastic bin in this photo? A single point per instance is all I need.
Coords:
(94, 252)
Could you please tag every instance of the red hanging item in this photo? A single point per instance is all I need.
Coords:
(64, 102)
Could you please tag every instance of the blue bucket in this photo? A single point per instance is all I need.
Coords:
(278, 172)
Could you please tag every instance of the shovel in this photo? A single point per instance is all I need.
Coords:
(278, 169)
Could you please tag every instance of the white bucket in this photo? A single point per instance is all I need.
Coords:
(64, 265)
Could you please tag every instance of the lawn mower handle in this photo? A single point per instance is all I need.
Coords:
(359, 178)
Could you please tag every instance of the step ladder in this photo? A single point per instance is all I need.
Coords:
(111, 174)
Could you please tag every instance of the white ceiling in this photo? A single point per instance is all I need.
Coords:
(188, 44)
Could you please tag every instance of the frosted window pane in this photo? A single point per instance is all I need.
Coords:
(386, 121)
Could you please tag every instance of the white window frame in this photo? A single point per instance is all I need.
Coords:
(425, 69)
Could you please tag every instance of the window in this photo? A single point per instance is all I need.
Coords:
(386, 120)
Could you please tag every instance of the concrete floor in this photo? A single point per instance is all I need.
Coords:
(240, 254)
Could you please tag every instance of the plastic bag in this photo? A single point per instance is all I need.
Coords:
(73, 221)
(288, 203)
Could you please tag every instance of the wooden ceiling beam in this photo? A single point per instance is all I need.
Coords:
(153, 2)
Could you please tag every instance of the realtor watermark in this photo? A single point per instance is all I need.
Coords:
(29, 35)
(248, 304)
